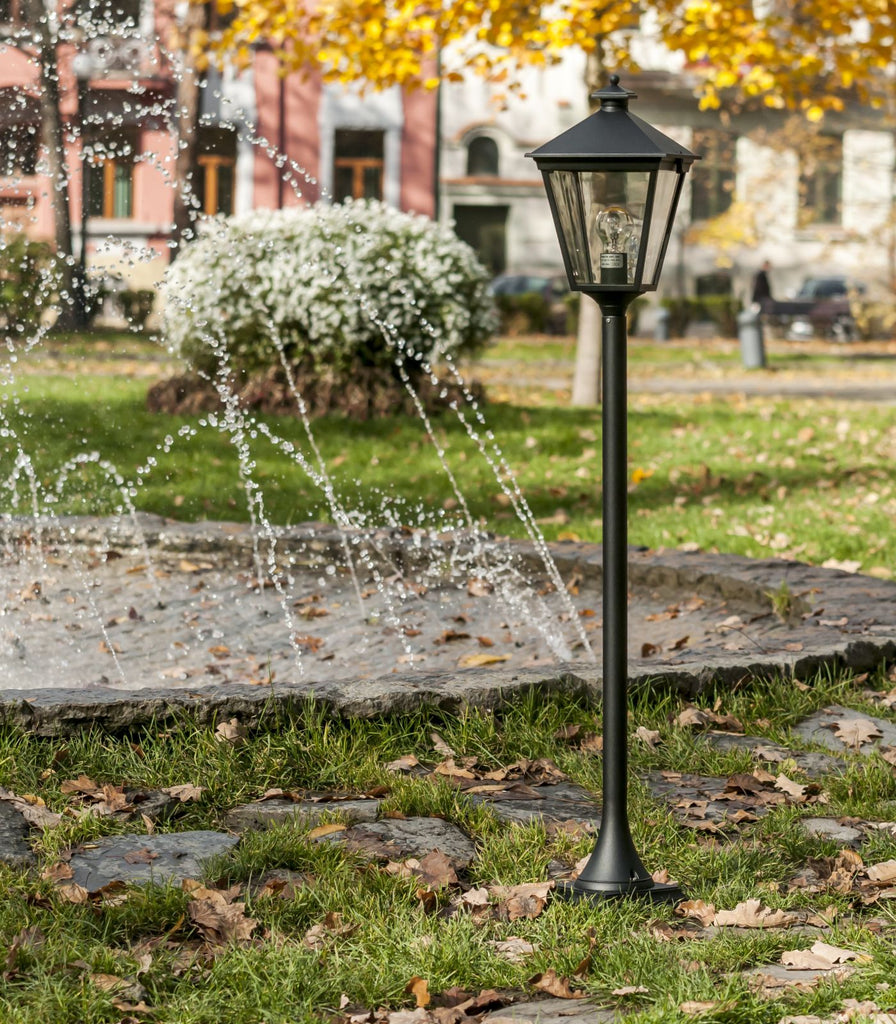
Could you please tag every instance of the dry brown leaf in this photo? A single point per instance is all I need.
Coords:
(440, 746)
(695, 1007)
(185, 793)
(795, 789)
(698, 910)
(856, 732)
(331, 927)
(230, 732)
(630, 990)
(419, 988)
(403, 764)
(479, 660)
(58, 872)
(521, 901)
(437, 870)
(649, 736)
(692, 718)
(821, 956)
(884, 872)
(453, 770)
(326, 830)
(552, 984)
(71, 892)
(752, 914)
(221, 922)
(513, 949)
(32, 808)
(143, 856)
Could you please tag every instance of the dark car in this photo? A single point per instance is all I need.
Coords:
(820, 309)
(550, 287)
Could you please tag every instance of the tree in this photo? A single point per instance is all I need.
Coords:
(810, 56)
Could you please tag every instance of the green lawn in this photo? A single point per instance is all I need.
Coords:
(136, 954)
(807, 479)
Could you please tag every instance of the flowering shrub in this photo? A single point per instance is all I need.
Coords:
(335, 285)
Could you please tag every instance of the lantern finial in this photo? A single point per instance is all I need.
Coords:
(614, 96)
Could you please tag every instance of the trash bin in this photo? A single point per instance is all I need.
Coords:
(749, 334)
(661, 324)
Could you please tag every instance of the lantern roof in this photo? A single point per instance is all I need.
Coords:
(612, 133)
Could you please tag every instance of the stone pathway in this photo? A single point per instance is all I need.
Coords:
(115, 624)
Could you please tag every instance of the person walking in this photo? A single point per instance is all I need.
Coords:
(762, 288)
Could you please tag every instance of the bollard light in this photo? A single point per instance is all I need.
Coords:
(613, 183)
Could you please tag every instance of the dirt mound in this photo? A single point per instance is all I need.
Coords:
(364, 393)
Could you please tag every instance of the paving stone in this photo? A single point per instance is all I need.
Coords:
(170, 857)
(830, 828)
(14, 832)
(703, 790)
(401, 838)
(553, 804)
(819, 728)
(264, 813)
(553, 1011)
(810, 762)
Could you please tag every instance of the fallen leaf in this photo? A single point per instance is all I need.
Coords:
(552, 984)
(436, 870)
(884, 872)
(795, 789)
(855, 732)
(440, 746)
(142, 856)
(821, 956)
(649, 650)
(185, 793)
(331, 927)
(513, 949)
(521, 901)
(403, 764)
(230, 732)
(419, 989)
(752, 914)
(326, 830)
(630, 990)
(703, 912)
(695, 1007)
(649, 736)
(478, 660)
(220, 921)
(478, 587)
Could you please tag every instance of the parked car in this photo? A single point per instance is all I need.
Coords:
(539, 296)
(821, 308)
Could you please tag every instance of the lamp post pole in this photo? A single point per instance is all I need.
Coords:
(613, 182)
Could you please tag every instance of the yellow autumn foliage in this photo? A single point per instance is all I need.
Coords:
(805, 55)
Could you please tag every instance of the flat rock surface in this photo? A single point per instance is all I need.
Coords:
(766, 751)
(553, 1011)
(400, 838)
(14, 831)
(142, 859)
(845, 730)
(831, 828)
(552, 804)
(264, 813)
(113, 623)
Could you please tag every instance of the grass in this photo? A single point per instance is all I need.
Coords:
(276, 978)
(756, 476)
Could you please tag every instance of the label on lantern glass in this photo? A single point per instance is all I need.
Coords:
(612, 260)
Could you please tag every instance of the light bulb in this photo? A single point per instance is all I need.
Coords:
(616, 228)
(614, 225)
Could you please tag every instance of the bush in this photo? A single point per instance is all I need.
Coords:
(523, 314)
(337, 286)
(135, 305)
(28, 282)
(721, 310)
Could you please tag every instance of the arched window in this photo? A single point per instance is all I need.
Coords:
(482, 157)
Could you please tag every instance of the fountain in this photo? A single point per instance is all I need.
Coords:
(123, 617)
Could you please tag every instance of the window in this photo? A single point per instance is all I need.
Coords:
(821, 180)
(713, 178)
(482, 157)
(358, 165)
(19, 145)
(110, 177)
(214, 177)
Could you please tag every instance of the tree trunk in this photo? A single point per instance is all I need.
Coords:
(53, 139)
(186, 124)
(586, 381)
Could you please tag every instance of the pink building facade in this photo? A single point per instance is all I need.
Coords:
(265, 141)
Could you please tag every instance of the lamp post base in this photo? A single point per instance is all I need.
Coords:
(655, 892)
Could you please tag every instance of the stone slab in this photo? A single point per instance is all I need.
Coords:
(837, 619)
(810, 762)
(553, 804)
(818, 728)
(147, 859)
(265, 813)
(830, 828)
(553, 1011)
(15, 849)
(401, 838)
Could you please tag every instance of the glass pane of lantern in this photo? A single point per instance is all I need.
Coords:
(616, 219)
(571, 215)
(664, 197)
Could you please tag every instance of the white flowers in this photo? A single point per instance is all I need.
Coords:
(331, 284)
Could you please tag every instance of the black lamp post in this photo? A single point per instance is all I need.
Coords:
(613, 183)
